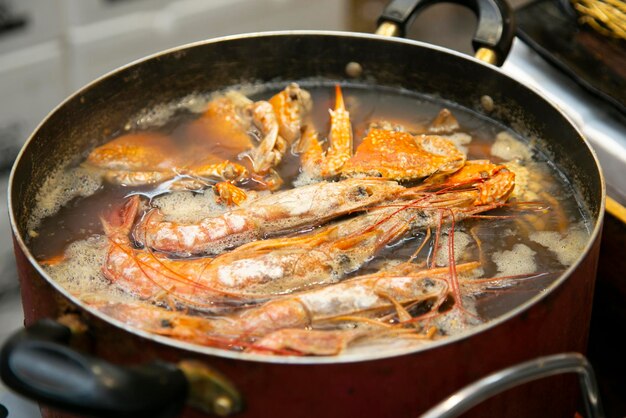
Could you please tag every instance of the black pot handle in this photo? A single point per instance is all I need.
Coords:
(494, 33)
(35, 362)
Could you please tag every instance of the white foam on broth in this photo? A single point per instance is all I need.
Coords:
(61, 186)
(567, 247)
(507, 147)
(519, 260)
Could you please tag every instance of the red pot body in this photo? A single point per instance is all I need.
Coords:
(401, 386)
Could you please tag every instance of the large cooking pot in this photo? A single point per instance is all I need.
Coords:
(132, 373)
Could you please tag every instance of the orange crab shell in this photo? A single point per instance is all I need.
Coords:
(494, 181)
(401, 156)
(290, 106)
(136, 151)
(220, 131)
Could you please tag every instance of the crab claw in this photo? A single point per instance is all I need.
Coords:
(340, 138)
(229, 193)
(316, 163)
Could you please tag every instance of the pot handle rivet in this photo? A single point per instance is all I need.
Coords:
(223, 406)
(209, 390)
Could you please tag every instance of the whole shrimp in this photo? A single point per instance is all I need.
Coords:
(280, 212)
(365, 297)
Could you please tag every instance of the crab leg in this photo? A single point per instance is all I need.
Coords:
(272, 147)
(280, 122)
(291, 106)
(311, 153)
(340, 138)
(314, 162)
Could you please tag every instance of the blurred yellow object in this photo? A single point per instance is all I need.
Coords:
(615, 209)
(608, 17)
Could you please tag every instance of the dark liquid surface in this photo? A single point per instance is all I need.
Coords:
(492, 239)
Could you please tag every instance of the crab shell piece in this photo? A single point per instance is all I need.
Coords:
(135, 152)
(401, 156)
(208, 144)
(136, 159)
(494, 181)
(223, 127)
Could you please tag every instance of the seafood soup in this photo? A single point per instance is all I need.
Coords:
(308, 219)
